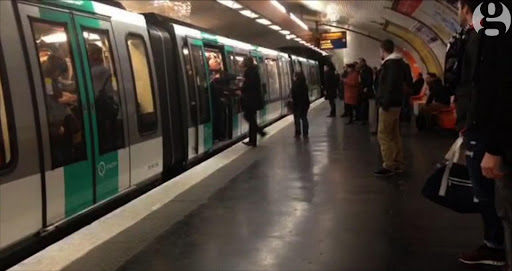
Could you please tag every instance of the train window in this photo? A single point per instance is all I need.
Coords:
(192, 96)
(63, 107)
(107, 103)
(273, 82)
(5, 133)
(201, 83)
(146, 114)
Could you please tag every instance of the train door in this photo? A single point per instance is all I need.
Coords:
(63, 110)
(201, 133)
(220, 84)
(81, 112)
(104, 91)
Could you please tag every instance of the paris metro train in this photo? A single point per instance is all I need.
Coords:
(96, 101)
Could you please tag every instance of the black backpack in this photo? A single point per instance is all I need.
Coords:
(106, 106)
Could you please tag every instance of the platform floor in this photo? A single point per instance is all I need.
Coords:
(301, 205)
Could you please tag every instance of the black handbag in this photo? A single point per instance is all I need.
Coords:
(450, 186)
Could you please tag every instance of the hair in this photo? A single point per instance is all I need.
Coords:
(351, 66)
(432, 74)
(55, 65)
(362, 60)
(301, 78)
(388, 46)
(471, 4)
(248, 62)
(420, 74)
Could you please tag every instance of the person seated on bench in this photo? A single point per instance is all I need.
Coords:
(438, 100)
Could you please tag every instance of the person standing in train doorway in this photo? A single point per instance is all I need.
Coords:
(395, 75)
(330, 87)
(252, 100)
(483, 100)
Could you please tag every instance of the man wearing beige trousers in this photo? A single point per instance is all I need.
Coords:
(393, 79)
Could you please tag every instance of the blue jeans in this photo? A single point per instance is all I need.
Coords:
(504, 203)
(484, 191)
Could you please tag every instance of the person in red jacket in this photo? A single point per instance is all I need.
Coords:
(352, 88)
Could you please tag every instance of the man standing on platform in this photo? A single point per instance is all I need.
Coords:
(366, 74)
(395, 75)
(483, 117)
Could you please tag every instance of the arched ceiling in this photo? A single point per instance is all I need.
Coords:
(423, 25)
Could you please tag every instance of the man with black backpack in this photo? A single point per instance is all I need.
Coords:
(393, 80)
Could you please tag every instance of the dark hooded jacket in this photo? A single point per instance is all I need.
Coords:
(393, 80)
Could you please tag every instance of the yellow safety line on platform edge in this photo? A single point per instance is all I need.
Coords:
(64, 252)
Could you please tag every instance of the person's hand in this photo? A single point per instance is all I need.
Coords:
(61, 130)
(238, 93)
(491, 166)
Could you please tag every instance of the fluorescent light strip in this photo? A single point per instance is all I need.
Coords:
(249, 13)
(263, 21)
(299, 22)
(275, 27)
(230, 4)
(278, 6)
(285, 32)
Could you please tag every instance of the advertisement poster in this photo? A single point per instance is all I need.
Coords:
(440, 17)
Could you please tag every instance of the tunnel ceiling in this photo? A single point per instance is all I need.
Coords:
(424, 26)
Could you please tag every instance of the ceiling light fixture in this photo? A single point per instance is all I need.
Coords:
(230, 4)
(249, 13)
(263, 21)
(299, 22)
(285, 32)
(278, 6)
(275, 27)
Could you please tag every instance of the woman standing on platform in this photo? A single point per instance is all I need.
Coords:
(301, 101)
(352, 91)
(252, 99)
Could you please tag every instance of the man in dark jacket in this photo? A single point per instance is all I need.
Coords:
(330, 88)
(484, 119)
(395, 75)
(366, 75)
(252, 99)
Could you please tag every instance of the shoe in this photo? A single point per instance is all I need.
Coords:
(263, 133)
(250, 144)
(384, 172)
(484, 255)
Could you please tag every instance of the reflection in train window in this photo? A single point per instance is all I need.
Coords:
(107, 103)
(273, 82)
(146, 114)
(5, 134)
(192, 96)
(201, 83)
(63, 108)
